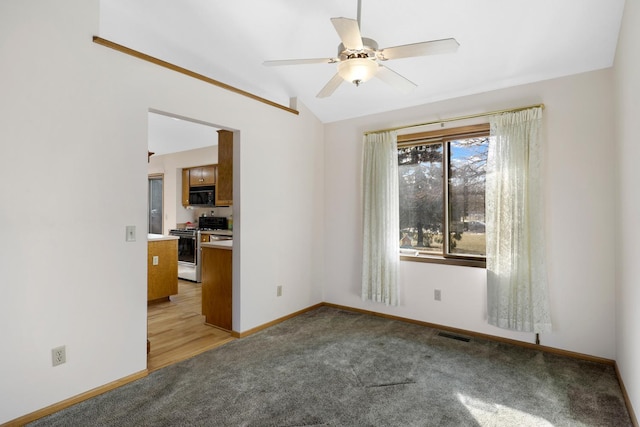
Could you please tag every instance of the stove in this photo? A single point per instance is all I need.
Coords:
(188, 253)
(183, 231)
(189, 250)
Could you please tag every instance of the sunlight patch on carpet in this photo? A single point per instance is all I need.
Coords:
(493, 414)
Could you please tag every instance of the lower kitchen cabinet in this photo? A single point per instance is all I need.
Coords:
(216, 285)
(162, 277)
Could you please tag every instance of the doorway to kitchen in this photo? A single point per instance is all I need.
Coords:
(176, 326)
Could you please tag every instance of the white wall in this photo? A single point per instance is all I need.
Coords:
(627, 109)
(580, 208)
(171, 165)
(73, 129)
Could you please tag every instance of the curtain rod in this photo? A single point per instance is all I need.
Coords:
(455, 119)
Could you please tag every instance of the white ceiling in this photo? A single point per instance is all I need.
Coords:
(502, 43)
(167, 134)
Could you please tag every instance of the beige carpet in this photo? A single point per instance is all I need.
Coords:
(337, 368)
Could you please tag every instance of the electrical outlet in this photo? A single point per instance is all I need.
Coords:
(59, 355)
(279, 290)
(155, 260)
(437, 295)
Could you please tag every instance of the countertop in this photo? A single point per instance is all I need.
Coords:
(159, 237)
(217, 232)
(218, 244)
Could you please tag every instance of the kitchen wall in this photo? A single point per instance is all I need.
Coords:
(171, 166)
(580, 195)
(627, 111)
(73, 121)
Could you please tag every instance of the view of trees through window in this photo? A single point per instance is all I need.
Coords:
(431, 206)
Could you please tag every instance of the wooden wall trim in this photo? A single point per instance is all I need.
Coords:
(252, 331)
(488, 337)
(627, 401)
(186, 72)
(75, 399)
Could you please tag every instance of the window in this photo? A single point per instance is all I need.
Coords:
(155, 203)
(442, 195)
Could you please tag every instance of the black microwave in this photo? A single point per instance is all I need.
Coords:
(202, 196)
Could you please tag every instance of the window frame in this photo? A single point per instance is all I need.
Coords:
(443, 136)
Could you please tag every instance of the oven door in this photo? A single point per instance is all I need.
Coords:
(187, 251)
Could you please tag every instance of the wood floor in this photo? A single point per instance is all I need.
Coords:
(176, 329)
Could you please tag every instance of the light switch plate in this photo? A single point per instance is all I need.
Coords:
(131, 233)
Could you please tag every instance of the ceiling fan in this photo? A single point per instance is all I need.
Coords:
(359, 58)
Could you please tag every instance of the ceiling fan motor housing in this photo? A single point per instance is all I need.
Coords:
(358, 66)
(369, 50)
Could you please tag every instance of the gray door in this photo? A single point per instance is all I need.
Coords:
(155, 204)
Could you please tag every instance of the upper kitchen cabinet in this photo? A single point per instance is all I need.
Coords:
(224, 186)
(185, 187)
(203, 175)
(197, 178)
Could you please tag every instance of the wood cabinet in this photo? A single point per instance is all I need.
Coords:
(162, 278)
(185, 187)
(224, 186)
(197, 177)
(217, 286)
(220, 175)
(202, 175)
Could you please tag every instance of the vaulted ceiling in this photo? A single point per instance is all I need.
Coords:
(502, 43)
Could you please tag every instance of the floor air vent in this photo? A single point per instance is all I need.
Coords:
(453, 337)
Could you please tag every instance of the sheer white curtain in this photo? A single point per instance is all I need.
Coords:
(517, 296)
(381, 221)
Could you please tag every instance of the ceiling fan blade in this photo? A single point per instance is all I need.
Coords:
(394, 79)
(330, 87)
(299, 61)
(349, 32)
(419, 49)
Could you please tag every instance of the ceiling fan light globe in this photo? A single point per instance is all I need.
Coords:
(357, 70)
